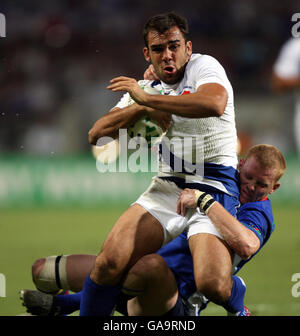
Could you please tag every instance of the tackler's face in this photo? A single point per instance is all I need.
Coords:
(256, 182)
(169, 54)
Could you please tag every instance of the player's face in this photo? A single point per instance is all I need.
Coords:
(256, 182)
(169, 53)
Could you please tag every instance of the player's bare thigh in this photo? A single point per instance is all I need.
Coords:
(135, 234)
(212, 260)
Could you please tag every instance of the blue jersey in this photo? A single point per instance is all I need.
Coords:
(256, 216)
(215, 178)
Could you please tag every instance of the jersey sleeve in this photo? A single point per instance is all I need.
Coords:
(255, 221)
(125, 101)
(208, 70)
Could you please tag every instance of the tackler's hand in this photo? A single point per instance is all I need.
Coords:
(192, 198)
(187, 199)
(150, 73)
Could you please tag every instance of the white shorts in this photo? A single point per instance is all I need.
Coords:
(160, 200)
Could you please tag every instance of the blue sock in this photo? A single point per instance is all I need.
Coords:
(235, 303)
(68, 303)
(98, 300)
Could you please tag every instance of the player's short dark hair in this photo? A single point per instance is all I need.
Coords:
(163, 22)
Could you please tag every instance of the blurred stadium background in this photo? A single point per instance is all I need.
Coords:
(55, 63)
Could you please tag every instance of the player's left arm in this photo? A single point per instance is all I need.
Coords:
(242, 240)
(117, 118)
(208, 101)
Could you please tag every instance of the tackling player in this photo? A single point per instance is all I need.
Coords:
(155, 285)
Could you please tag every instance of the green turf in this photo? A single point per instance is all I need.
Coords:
(30, 234)
(27, 234)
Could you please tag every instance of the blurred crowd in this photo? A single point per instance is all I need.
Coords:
(58, 57)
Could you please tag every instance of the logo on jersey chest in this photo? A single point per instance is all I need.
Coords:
(186, 90)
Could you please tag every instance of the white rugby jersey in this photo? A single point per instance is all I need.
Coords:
(217, 135)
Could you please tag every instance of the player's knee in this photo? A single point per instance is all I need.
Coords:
(220, 290)
(151, 263)
(107, 268)
(148, 265)
(215, 288)
(149, 270)
(49, 274)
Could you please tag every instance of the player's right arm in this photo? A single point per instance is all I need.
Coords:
(208, 101)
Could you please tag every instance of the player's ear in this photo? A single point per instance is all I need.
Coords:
(241, 163)
(275, 187)
(189, 48)
(146, 54)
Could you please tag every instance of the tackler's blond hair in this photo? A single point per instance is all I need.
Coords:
(268, 156)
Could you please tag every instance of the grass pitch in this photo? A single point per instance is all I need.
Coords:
(28, 234)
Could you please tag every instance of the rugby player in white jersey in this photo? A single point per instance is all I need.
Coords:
(199, 97)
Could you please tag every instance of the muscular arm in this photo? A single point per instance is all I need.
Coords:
(209, 101)
(110, 123)
(118, 118)
(240, 239)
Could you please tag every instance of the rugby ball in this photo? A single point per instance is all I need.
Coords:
(145, 128)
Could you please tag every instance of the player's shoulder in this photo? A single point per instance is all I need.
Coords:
(259, 215)
(264, 204)
(264, 207)
(204, 65)
(203, 60)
